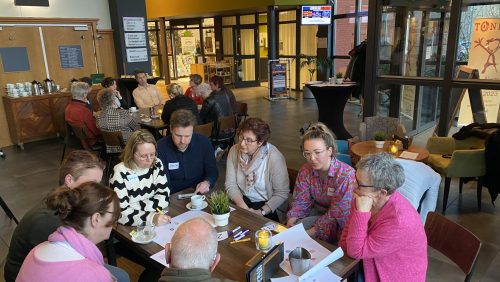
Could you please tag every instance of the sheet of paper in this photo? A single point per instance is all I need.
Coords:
(165, 232)
(324, 274)
(160, 257)
(222, 235)
(312, 272)
(408, 155)
(297, 237)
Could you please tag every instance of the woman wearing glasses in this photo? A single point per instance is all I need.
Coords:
(140, 182)
(87, 213)
(256, 173)
(323, 188)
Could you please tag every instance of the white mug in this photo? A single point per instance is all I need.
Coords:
(197, 201)
(133, 109)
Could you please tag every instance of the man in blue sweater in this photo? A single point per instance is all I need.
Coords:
(187, 157)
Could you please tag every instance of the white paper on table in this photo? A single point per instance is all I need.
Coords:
(165, 232)
(408, 155)
(298, 237)
(324, 274)
(160, 257)
(311, 274)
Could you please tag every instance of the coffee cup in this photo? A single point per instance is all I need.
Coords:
(197, 201)
(300, 260)
(133, 109)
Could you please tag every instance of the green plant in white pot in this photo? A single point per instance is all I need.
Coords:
(339, 78)
(219, 205)
(379, 137)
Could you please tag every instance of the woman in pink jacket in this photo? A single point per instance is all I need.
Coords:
(384, 230)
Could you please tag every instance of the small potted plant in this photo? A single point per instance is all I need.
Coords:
(339, 77)
(379, 137)
(219, 205)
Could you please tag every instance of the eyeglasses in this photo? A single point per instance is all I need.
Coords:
(308, 155)
(247, 140)
(146, 157)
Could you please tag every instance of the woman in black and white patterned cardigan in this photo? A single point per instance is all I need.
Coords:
(140, 182)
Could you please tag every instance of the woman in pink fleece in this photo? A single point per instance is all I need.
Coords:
(87, 213)
(384, 230)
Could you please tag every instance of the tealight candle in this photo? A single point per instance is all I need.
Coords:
(393, 149)
(263, 239)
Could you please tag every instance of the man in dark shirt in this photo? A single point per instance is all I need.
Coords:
(187, 157)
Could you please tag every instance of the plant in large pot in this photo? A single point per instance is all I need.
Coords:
(219, 205)
(379, 137)
(313, 63)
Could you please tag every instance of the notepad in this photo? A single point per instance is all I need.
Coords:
(408, 155)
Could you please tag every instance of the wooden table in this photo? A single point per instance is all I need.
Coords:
(233, 257)
(155, 125)
(368, 147)
(331, 100)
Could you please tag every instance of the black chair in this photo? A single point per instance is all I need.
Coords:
(226, 132)
(242, 111)
(114, 146)
(70, 141)
(7, 210)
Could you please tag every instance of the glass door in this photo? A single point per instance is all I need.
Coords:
(245, 56)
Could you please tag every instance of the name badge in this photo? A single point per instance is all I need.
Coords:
(133, 177)
(331, 191)
(173, 166)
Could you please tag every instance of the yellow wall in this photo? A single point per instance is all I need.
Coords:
(199, 8)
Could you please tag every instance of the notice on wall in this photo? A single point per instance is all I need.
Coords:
(135, 39)
(483, 55)
(135, 55)
(133, 24)
(70, 56)
(188, 44)
(14, 59)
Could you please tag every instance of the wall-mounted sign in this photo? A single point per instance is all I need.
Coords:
(135, 55)
(70, 56)
(14, 59)
(135, 39)
(133, 24)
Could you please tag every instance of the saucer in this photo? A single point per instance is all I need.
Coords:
(132, 111)
(204, 205)
(146, 120)
(145, 240)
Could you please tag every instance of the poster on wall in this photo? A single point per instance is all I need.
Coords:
(135, 55)
(135, 39)
(70, 56)
(483, 55)
(14, 59)
(188, 44)
(133, 24)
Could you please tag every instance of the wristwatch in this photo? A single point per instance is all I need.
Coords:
(262, 211)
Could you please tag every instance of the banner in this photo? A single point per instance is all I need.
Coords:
(485, 47)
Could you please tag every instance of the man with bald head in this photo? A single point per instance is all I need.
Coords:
(192, 253)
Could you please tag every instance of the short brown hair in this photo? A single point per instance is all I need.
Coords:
(258, 127)
(77, 162)
(182, 118)
(107, 82)
(138, 137)
(195, 78)
(74, 206)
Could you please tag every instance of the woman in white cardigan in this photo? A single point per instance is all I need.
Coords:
(256, 172)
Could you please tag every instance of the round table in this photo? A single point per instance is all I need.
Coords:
(368, 147)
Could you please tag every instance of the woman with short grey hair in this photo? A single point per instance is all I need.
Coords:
(384, 229)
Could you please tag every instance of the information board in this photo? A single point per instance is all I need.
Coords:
(70, 56)
(278, 79)
(135, 39)
(135, 55)
(14, 59)
(133, 24)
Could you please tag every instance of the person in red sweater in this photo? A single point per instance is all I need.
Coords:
(194, 81)
(78, 114)
(384, 229)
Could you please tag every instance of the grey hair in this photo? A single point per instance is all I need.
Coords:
(319, 130)
(203, 90)
(195, 78)
(194, 245)
(383, 170)
(79, 90)
(106, 98)
(174, 89)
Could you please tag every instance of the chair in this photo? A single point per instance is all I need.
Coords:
(7, 210)
(204, 129)
(292, 176)
(70, 141)
(226, 131)
(388, 125)
(343, 152)
(453, 241)
(457, 158)
(242, 111)
(81, 133)
(114, 146)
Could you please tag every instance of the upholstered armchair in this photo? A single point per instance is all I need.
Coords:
(388, 125)
(457, 158)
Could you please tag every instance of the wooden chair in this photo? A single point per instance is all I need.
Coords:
(81, 133)
(70, 141)
(226, 131)
(7, 210)
(453, 241)
(292, 176)
(114, 146)
(242, 111)
(204, 129)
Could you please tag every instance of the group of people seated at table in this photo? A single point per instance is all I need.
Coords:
(360, 209)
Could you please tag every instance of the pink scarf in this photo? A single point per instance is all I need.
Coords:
(78, 242)
(250, 164)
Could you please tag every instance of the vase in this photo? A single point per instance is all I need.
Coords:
(221, 219)
(379, 144)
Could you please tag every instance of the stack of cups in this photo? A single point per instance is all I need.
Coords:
(19, 89)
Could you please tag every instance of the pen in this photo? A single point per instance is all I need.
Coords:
(236, 229)
(239, 241)
(160, 211)
(241, 235)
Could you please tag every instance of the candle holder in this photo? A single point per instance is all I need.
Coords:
(393, 149)
(263, 240)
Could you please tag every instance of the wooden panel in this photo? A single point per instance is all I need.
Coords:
(107, 54)
(55, 36)
(19, 37)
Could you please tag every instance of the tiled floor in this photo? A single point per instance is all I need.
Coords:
(26, 176)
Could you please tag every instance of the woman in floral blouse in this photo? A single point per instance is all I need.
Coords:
(323, 188)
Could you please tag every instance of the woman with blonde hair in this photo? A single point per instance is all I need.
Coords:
(140, 182)
(323, 188)
(178, 101)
